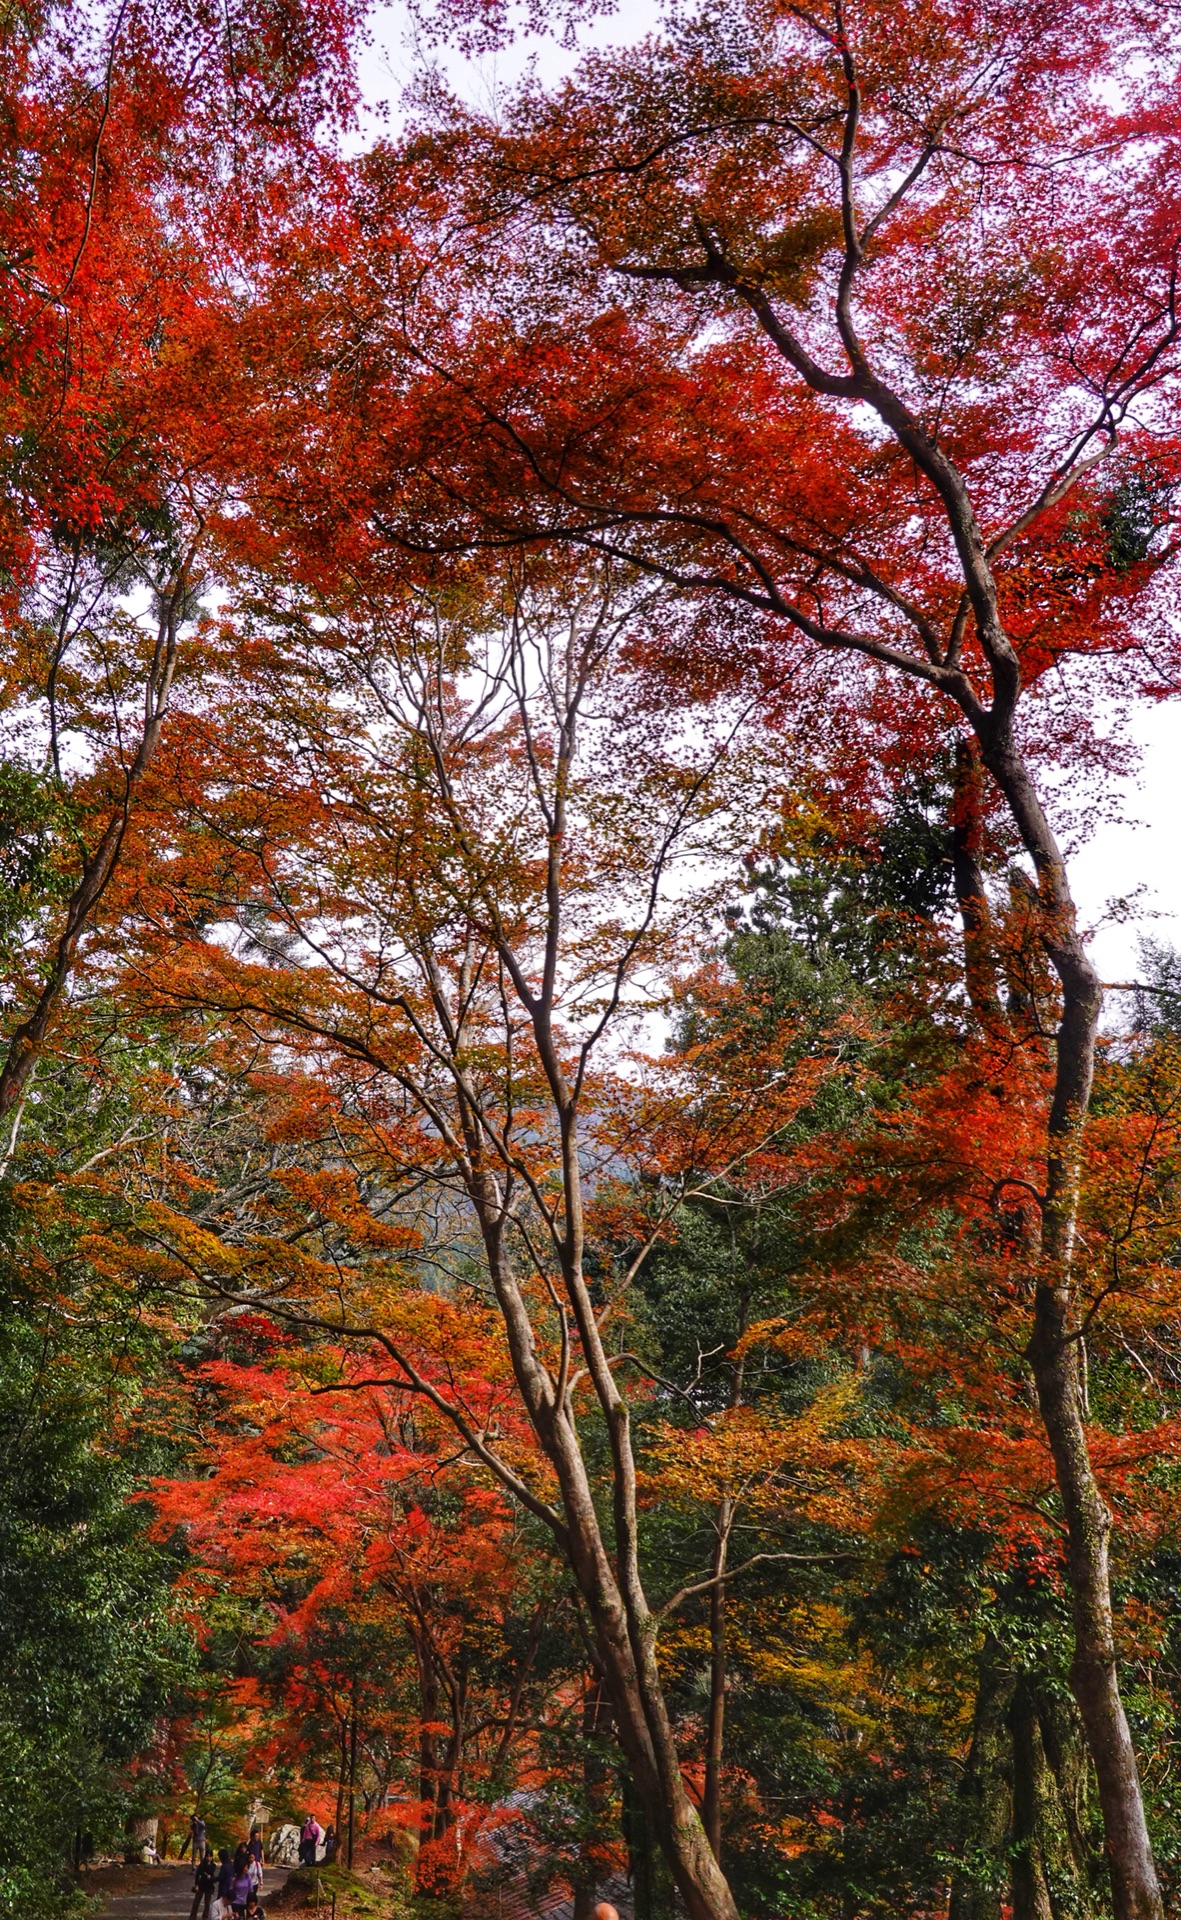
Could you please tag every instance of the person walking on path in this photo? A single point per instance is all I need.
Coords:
(309, 1840)
(197, 1837)
(204, 1885)
(241, 1885)
(225, 1881)
(254, 1854)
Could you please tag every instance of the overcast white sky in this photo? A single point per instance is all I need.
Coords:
(1137, 855)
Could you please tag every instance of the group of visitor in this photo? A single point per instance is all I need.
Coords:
(234, 1880)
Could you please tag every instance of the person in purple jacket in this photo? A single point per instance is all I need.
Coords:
(225, 1880)
(241, 1882)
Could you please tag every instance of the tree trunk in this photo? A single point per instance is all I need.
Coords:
(622, 1623)
(596, 1783)
(342, 1774)
(978, 1887)
(1054, 1351)
(1064, 1740)
(1031, 1892)
(711, 1803)
(1055, 1347)
(1054, 1355)
(450, 1771)
(625, 1644)
(652, 1892)
(428, 1771)
(352, 1776)
(29, 1036)
(980, 958)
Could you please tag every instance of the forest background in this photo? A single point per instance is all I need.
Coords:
(590, 1276)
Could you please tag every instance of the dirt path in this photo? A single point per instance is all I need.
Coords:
(156, 1893)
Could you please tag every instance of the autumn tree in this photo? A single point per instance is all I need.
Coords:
(841, 342)
(830, 1099)
(401, 1602)
(149, 156)
(882, 1257)
(802, 313)
(464, 899)
(145, 154)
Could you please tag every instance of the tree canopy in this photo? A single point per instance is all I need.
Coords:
(590, 1283)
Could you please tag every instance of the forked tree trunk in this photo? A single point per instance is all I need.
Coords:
(623, 1627)
(604, 1563)
(625, 1643)
(606, 1568)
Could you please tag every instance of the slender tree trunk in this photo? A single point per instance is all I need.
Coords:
(428, 1771)
(451, 1766)
(29, 1036)
(715, 1731)
(352, 1775)
(977, 1890)
(342, 1774)
(967, 824)
(1054, 1351)
(1054, 1355)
